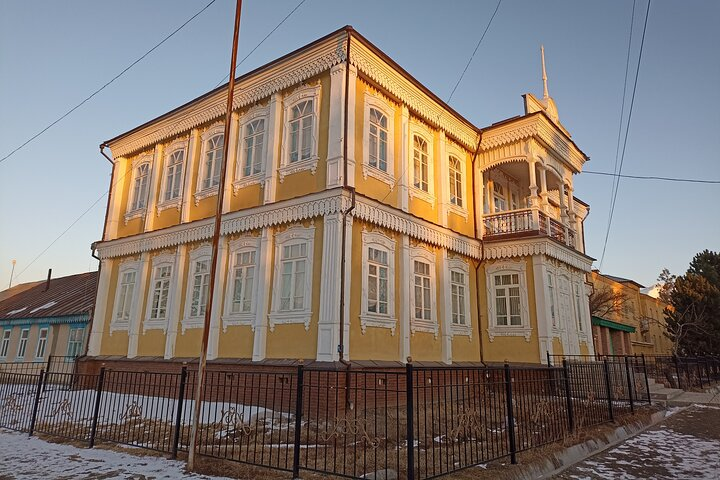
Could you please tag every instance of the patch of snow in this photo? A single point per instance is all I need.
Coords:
(13, 312)
(43, 307)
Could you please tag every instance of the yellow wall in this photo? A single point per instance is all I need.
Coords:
(236, 342)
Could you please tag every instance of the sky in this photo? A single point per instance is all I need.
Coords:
(54, 54)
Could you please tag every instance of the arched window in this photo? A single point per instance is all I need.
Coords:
(420, 163)
(140, 187)
(378, 141)
(253, 142)
(456, 188)
(212, 162)
(301, 131)
(173, 175)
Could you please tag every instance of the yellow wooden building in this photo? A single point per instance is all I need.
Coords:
(462, 243)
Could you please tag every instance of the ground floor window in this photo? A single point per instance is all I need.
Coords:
(75, 342)
(42, 343)
(5, 345)
(22, 344)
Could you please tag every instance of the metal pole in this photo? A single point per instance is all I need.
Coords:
(647, 383)
(36, 404)
(202, 364)
(96, 410)
(630, 385)
(510, 416)
(12, 272)
(298, 421)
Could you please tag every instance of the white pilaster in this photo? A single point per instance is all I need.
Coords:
(97, 327)
(336, 127)
(405, 276)
(404, 171)
(273, 152)
(544, 322)
(187, 194)
(231, 161)
(155, 177)
(444, 187)
(351, 130)
(114, 208)
(328, 328)
(479, 200)
(446, 310)
(349, 286)
(136, 318)
(264, 286)
(217, 304)
(174, 310)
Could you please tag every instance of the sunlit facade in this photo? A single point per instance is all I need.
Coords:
(463, 244)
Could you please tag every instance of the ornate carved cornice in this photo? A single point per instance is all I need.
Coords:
(542, 246)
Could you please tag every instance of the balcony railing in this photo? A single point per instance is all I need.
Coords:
(527, 222)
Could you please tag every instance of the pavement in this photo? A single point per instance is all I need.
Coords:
(683, 446)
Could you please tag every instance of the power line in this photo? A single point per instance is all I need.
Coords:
(627, 131)
(108, 83)
(487, 27)
(651, 177)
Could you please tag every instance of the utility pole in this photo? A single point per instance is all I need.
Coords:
(12, 272)
(202, 364)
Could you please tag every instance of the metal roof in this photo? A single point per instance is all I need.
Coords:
(71, 295)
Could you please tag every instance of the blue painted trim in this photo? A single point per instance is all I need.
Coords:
(82, 318)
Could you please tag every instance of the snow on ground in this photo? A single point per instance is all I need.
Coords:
(30, 458)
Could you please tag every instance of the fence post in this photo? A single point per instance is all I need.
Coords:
(568, 395)
(178, 413)
(547, 352)
(609, 390)
(96, 410)
(647, 382)
(510, 416)
(410, 418)
(677, 371)
(47, 372)
(630, 384)
(298, 421)
(699, 373)
(37, 403)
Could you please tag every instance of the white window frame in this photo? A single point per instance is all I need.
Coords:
(71, 352)
(293, 235)
(452, 150)
(379, 241)
(241, 181)
(236, 246)
(305, 92)
(460, 266)
(179, 145)
(424, 255)
(159, 261)
(201, 253)
(383, 106)
(22, 343)
(42, 342)
(131, 211)
(419, 129)
(200, 192)
(5, 342)
(495, 330)
(125, 267)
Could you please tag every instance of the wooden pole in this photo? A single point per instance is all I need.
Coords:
(202, 364)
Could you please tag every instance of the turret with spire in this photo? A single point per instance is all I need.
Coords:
(546, 104)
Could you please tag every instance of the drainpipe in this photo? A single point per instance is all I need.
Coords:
(482, 249)
(343, 261)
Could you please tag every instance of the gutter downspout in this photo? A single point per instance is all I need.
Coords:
(343, 261)
(482, 248)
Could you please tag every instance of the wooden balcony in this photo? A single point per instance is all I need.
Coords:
(527, 222)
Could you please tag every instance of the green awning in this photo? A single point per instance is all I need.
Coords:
(601, 322)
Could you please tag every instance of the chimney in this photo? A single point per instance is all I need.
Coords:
(47, 284)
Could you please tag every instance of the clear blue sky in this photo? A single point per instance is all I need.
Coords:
(53, 54)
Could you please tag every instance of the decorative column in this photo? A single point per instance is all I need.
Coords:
(405, 276)
(446, 310)
(328, 328)
(563, 208)
(174, 311)
(187, 194)
(544, 322)
(571, 204)
(217, 305)
(533, 182)
(231, 161)
(260, 327)
(114, 207)
(404, 159)
(336, 127)
(101, 307)
(490, 202)
(480, 201)
(273, 152)
(444, 199)
(543, 189)
(136, 318)
(351, 129)
(348, 284)
(155, 179)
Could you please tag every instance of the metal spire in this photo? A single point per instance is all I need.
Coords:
(544, 75)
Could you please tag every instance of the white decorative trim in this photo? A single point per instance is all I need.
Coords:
(143, 158)
(379, 102)
(202, 252)
(201, 193)
(178, 144)
(538, 246)
(303, 92)
(494, 330)
(165, 259)
(380, 241)
(258, 178)
(240, 181)
(240, 245)
(461, 266)
(293, 235)
(424, 132)
(421, 325)
(137, 213)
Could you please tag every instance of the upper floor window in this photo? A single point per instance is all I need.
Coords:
(301, 131)
(378, 145)
(212, 162)
(456, 185)
(173, 175)
(420, 163)
(301, 125)
(499, 200)
(41, 343)
(293, 276)
(140, 186)
(378, 140)
(22, 344)
(125, 296)
(253, 141)
(5, 345)
(75, 342)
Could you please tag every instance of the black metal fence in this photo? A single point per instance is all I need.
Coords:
(687, 373)
(419, 422)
